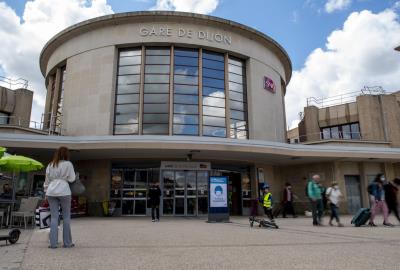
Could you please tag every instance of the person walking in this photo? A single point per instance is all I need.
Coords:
(59, 173)
(314, 194)
(391, 197)
(287, 201)
(154, 201)
(333, 195)
(377, 198)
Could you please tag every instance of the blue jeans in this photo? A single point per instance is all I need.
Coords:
(334, 212)
(55, 202)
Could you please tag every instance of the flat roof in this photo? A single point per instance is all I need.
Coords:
(88, 25)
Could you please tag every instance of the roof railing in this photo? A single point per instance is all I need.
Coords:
(13, 83)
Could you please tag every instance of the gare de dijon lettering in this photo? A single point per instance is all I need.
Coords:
(185, 33)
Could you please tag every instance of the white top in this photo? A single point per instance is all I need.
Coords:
(58, 179)
(333, 195)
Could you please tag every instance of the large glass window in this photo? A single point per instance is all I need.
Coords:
(186, 96)
(127, 92)
(156, 91)
(347, 132)
(214, 123)
(237, 99)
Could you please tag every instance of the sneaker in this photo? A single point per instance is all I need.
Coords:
(71, 246)
(330, 223)
(388, 224)
(52, 247)
(153, 220)
(372, 224)
(157, 220)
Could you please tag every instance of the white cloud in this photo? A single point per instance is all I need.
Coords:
(360, 54)
(22, 39)
(333, 5)
(196, 6)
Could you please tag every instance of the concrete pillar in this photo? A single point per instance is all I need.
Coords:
(391, 118)
(23, 107)
(370, 117)
(363, 185)
(311, 125)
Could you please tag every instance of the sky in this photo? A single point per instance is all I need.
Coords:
(336, 46)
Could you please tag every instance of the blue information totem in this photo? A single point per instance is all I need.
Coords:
(218, 205)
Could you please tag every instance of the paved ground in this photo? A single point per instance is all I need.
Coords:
(183, 243)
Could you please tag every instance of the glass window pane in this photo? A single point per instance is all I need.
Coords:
(235, 87)
(155, 129)
(127, 61)
(214, 131)
(186, 129)
(219, 74)
(126, 129)
(186, 61)
(335, 132)
(235, 78)
(156, 78)
(128, 79)
(236, 105)
(128, 88)
(238, 124)
(236, 96)
(214, 83)
(156, 88)
(156, 98)
(186, 109)
(126, 119)
(157, 60)
(213, 56)
(355, 131)
(182, 79)
(212, 101)
(186, 99)
(129, 108)
(214, 121)
(236, 62)
(130, 53)
(186, 52)
(128, 70)
(326, 133)
(186, 119)
(185, 89)
(346, 132)
(207, 91)
(237, 115)
(238, 134)
(156, 108)
(194, 71)
(123, 99)
(213, 64)
(163, 69)
(235, 69)
(158, 51)
(155, 118)
(214, 111)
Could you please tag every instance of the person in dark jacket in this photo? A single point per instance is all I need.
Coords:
(391, 197)
(154, 201)
(288, 201)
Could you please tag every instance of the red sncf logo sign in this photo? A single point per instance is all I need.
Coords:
(269, 84)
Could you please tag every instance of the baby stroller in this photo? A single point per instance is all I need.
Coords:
(261, 222)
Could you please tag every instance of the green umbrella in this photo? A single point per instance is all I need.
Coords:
(2, 150)
(14, 163)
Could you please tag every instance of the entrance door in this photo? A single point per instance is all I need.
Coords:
(353, 192)
(185, 193)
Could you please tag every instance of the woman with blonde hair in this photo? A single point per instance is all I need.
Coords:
(59, 173)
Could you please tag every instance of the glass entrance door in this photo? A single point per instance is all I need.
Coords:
(185, 193)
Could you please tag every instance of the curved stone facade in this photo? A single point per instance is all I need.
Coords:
(82, 65)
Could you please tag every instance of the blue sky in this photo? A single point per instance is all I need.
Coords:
(336, 46)
(299, 26)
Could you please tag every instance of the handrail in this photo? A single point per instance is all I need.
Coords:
(22, 83)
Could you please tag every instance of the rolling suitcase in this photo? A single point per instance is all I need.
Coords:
(361, 217)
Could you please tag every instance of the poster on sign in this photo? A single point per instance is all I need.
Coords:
(269, 84)
(218, 192)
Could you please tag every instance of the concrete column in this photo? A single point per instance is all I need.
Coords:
(311, 125)
(370, 117)
(23, 107)
(391, 118)
(363, 184)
